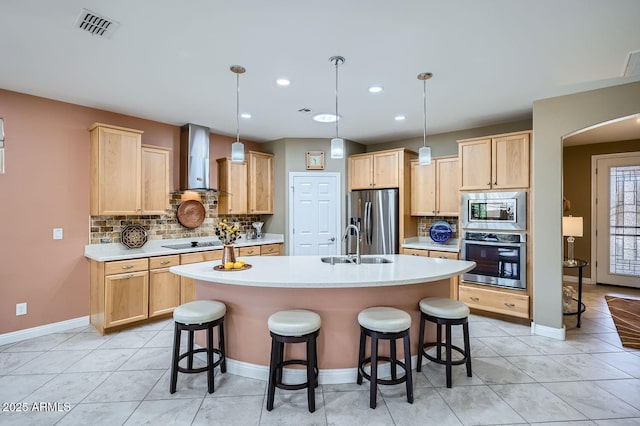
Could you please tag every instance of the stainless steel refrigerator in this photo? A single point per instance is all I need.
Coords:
(375, 213)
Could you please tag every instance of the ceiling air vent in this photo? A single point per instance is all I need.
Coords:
(95, 24)
(633, 64)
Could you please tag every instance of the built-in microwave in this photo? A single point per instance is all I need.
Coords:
(494, 210)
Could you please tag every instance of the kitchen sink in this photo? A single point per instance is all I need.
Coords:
(345, 259)
(193, 244)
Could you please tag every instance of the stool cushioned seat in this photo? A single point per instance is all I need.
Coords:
(384, 319)
(199, 312)
(295, 322)
(444, 308)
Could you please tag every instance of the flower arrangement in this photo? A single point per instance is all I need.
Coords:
(228, 234)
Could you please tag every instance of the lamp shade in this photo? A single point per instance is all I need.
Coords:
(572, 226)
(424, 156)
(337, 148)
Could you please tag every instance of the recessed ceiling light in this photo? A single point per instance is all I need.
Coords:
(399, 117)
(376, 89)
(325, 118)
(283, 82)
(245, 115)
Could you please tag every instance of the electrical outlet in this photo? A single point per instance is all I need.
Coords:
(57, 233)
(21, 309)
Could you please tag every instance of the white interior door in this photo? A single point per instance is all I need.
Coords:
(314, 213)
(617, 219)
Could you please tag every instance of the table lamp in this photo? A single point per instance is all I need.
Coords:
(571, 227)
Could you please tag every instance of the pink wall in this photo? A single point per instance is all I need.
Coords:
(46, 186)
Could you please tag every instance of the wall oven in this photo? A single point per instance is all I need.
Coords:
(501, 259)
(494, 210)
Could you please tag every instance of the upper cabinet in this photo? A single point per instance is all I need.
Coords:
(125, 178)
(435, 188)
(246, 187)
(495, 162)
(155, 179)
(260, 183)
(375, 170)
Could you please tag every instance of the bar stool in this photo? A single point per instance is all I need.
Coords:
(384, 323)
(192, 316)
(293, 326)
(447, 312)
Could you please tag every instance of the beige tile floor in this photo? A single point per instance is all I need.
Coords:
(588, 379)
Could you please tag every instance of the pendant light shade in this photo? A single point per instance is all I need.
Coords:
(337, 143)
(424, 153)
(237, 148)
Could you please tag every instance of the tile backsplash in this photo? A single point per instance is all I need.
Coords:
(107, 229)
(425, 222)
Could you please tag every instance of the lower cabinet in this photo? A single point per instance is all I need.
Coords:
(188, 285)
(498, 301)
(126, 298)
(164, 286)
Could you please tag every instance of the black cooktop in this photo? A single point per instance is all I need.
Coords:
(193, 244)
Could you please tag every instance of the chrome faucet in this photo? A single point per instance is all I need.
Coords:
(358, 259)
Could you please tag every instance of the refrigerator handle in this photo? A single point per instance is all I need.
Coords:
(367, 234)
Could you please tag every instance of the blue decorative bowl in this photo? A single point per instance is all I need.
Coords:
(440, 231)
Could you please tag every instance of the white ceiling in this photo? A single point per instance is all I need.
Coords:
(169, 60)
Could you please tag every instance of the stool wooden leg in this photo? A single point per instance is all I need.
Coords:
(420, 343)
(311, 375)
(373, 389)
(280, 360)
(190, 349)
(438, 341)
(361, 356)
(176, 355)
(394, 359)
(448, 349)
(407, 363)
(210, 359)
(273, 366)
(223, 353)
(467, 347)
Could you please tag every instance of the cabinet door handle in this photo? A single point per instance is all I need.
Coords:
(509, 305)
(495, 183)
(475, 299)
(165, 262)
(128, 276)
(127, 266)
(489, 184)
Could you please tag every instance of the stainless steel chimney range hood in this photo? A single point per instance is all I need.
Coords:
(194, 158)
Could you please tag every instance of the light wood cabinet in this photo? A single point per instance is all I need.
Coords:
(188, 285)
(435, 188)
(260, 183)
(232, 186)
(155, 180)
(115, 170)
(375, 170)
(496, 162)
(271, 250)
(127, 178)
(498, 301)
(248, 251)
(164, 286)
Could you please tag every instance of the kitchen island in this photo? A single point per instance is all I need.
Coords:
(336, 292)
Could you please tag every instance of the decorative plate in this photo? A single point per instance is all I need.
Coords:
(440, 231)
(221, 268)
(133, 236)
(191, 213)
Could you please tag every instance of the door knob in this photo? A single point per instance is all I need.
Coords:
(332, 239)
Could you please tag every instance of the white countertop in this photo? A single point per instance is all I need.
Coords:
(118, 251)
(426, 243)
(310, 272)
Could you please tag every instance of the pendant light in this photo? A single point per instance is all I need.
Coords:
(237, 148)
(337, 143)
(424, 153)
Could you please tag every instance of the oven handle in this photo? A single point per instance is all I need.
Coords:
(493, 243)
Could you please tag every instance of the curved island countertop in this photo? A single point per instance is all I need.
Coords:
(336, 292)
(309, 272)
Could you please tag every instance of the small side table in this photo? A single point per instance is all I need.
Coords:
(581, 306)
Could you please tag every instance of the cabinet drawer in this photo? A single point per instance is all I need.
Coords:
(122, 266)
(416, 252)
(516, 305)
(201, 256)
(443, 254)
(270, 250)
(164, 261)
(249, 251)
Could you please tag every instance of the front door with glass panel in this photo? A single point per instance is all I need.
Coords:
(618, 219)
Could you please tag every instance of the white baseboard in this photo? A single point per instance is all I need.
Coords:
(56, 327)
(574, 279)
(543, 330)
